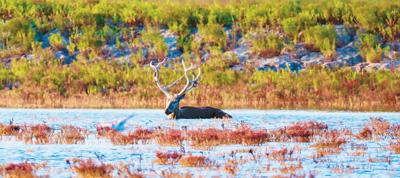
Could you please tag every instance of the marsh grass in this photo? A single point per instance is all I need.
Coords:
(195, 161)
(36, 134)
(169, 137)
(23, 169)
(322, 142)
(9, 130)
(168, 157)
(71, 135)
(91, 168)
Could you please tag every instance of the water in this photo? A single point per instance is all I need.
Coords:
(142, 156)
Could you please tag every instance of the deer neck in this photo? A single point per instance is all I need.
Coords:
(175, 114)
(177, 111)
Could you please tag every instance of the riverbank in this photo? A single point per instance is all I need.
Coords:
(105, 85)
(12, 100)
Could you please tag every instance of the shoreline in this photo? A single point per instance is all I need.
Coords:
(95, 102)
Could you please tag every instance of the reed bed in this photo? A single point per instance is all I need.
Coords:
(91, 168)
(23, 169)
(71, 135)
(281, 160)
(168, 157)
(316, 133)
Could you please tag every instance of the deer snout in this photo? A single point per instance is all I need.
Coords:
(167, 112)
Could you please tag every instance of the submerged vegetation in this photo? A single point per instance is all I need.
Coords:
(285, 150)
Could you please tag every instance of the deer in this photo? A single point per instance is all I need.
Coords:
(172, 108)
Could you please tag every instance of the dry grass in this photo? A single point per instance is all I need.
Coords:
(231, 166)
(20, 170)
(365, 134)
(379, 126)
(36, 134)
(91, 169)
(291, 168)
(169, 137)
(330, 139)
(298, 132)
(173, 174)
(105, 131)
(71, 135)
(9, 129)
(143, 136)
(213, 137)
(195, 161)
(168, 157)
(126, 172)
(395, 146)
(282, 154)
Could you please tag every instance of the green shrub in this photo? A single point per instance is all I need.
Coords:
(321, 38)
(267, 44)
(213, 34)
(153, 40)
(56, 41)
(369, 47)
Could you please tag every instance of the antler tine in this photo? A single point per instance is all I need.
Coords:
(156, 69)
(175, 82)
(189, 83)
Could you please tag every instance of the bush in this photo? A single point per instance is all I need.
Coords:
(56, 41)
(369, 47)
(321, 38)
(267, 44)
(213, 34)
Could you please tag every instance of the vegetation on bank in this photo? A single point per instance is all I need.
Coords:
(109, 84)
(86, 28)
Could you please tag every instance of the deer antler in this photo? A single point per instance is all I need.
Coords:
(156, 69)
(189, 83)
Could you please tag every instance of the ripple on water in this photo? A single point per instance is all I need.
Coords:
(143, 155)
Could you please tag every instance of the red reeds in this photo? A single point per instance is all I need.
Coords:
(90, 168)
(71, 135)
(169, 137)
(231, 166)
(280, 154)
(124, 171)
(298, 132)
(9, 129)
(376, 127)
(195, 161)
(36, 134)
(118, 138)
(213, 137)
(172, 174)
(168, 157)
(245, 135)
(292, 168)
(24, 169)
(302, 131)
(379, 126)
(365, 134)
(395, 130)
(207, 137)
(330, 139)
(105, 131)
(144, 135)
(132, 137)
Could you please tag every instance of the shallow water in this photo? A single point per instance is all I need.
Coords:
(142, 156)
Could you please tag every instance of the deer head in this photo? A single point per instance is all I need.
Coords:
(173, 100)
